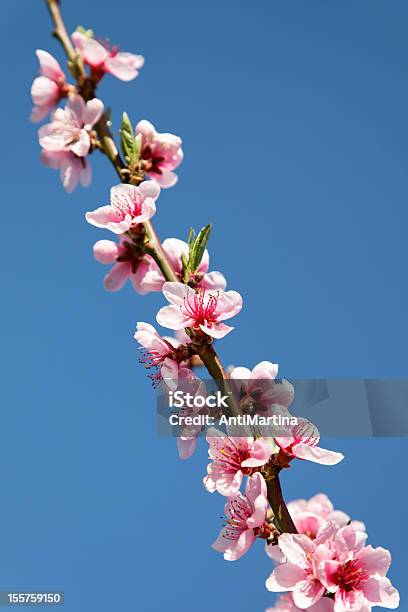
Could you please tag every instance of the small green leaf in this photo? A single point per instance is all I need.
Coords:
(191, 237)
(184, 263)
(198, 247)
(138, 146)
(127, 139)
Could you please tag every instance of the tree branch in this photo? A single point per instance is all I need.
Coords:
(108, 146)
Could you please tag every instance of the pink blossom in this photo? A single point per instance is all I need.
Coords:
(161, 153)
(231, 459)
(129, 263)
(245, 519)
(201, 309)
(318, 506)
(303, 445)
(159, 353)
(174, 249)
(124, 66)
(73, 169)
(48, 88)
(309, 516)
(128, 206)
(188, 382)
(298, 574)
(70, 126)
(257, 389)
(285, 603)
(356, 573)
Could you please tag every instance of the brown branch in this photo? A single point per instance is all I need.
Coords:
(206, 351)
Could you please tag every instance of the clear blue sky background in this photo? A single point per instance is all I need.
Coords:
(294, 121)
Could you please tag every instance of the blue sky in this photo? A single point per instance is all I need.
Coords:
(293, 118)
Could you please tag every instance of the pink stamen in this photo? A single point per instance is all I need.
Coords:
(201, 308)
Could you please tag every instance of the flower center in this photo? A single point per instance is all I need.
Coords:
(201, 308)
(306, 433)
(129, 204)
(239, 511)
(132, 253)
(152, 160)
(350, 575)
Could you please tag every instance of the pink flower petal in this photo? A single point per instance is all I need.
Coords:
(148, 211)
(172, 318)
(308, 593)
(105, 251)
(82, 145)
(316, 454)
(101, 216)
(379, 591)
(213, 281)
(186, 446)
(239, 547)
(150, 189)
(85, 176)
(218, 331)
(296, 548)
(285, 577)
(49, 66)
(229, 304)
(375, 560)
(76, 104)
(166, 179)
(93, 112)
(174, 249)
(44, 91)
(117, 276)
(146, 129)
(124, 66)
(91, 50)
(176, 293)
(70, 171)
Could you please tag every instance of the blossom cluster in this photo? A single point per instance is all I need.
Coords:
(327, 564)
(323, 563)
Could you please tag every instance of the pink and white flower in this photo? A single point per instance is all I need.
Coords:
(232, 458)
(303, 445)
(162, 153)
(200, 309)
(174, 249)
(245, 519)
(48, 88)
(159, 353)
(124, 66)
(188, 382)
(298, 574)
(257, 389)
(285, 603)
(73, 169)
(309, 516)
(336, 561)
(128, 263)
(129, 205)
(356, 573)
(70, 126)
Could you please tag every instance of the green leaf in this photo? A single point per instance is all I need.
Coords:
(198, 247)
(127, 139)
(138, 146)
(191, 237)
(184, 263)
